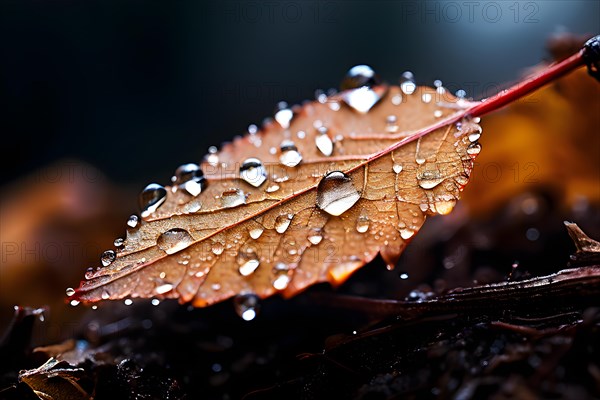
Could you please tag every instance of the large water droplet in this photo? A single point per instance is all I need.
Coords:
(253, 171)
(290, 157)
(108, 257)
(151, 198)
(190, 178)
(133, 220)
(397, 168)
(407, 83)
(119, 242)
(284, 114)
(336, 193)
(323, 142)
(246, 306)
(233, 198)
(282, 222)
(249, 266)
(406, 233)
(429, 179)
(362, 224)
(174, 240)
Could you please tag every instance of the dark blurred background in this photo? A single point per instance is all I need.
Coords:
(136, 88)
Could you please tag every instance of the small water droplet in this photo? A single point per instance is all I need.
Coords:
(212, 158)
(362, 224)
(217, 248)
(272, 188)
(397, 100)
(128, 302)
(89, 273)
(290, 157)
(94, 307)
(256, 232)
(133, 220)
(336, 193)
(473, 137)
(151, 198)
(174, 240)
(437, 83)
(424, 207)
(282, 276)
(70, 291)
(155, 302)
(233, 198)
(391, 123)
(105, 295)
(315, 237)
(119, 242)
(474, 149)
(397, 168)
(282, 222)
(108, 257)
(164, 288)
(190, 178)
(253, 171)
(283, 115)
(407, 83)
(359, 76)
(426, 97)
(429, 179)
(403, 275)
(406, 233)
(324, 142)
(248, 267)
(445, 207)
(74, 303)
(358, 86)
(461, 94)
(438, 113)
(246, 306)
(461, 179)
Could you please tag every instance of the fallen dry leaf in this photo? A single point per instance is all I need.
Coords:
(312, 196)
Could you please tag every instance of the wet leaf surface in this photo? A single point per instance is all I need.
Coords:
(310, 197)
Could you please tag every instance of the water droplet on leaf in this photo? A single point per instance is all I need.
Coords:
(248, 267)
(190, 178)
(336, 193)
(255, 233)
(151, 198)
(290, 157)
(284, 115)
(133, 220)
(174, 240)
(362, 224)
(233, 198)
(70, 292)
(429, 179)
(108, 257)
(407, 83)
(164, 288)
(282, 222)
(323, 142)
(253, 171)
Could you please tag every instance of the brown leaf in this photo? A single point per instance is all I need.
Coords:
(55, 380)
(301, 201)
